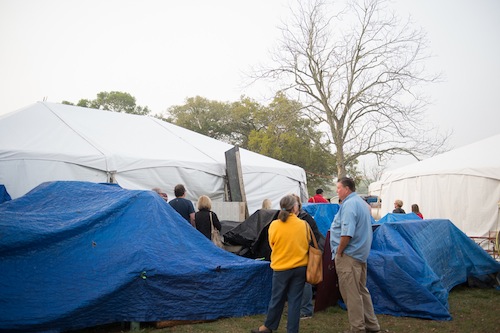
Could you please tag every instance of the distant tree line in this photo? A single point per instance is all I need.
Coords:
(116, 101)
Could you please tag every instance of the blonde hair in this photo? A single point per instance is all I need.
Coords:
(399, 203)
(266, 204)
(204, 202)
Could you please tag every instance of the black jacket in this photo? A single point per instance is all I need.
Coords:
(303, 215)
(202, 221)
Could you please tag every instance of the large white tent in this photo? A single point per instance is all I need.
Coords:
(462, 185)
(49, 141)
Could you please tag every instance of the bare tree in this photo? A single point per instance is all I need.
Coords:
(360, 77)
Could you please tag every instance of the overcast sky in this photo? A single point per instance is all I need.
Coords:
(162, 52)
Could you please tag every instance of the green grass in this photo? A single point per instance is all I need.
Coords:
(473, 310)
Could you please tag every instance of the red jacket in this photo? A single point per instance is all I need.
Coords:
(318, 198)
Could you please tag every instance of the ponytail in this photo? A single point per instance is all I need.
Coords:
(286, 203)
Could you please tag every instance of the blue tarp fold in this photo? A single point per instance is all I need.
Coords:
(393, 217)
(77, 254)
(4, 195)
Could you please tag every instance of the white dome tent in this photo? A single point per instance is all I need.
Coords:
(50, 141)
(462, 185)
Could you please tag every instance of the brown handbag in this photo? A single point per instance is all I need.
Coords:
(314, 273)
(216, 236)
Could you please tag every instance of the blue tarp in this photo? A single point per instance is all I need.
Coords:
(323, 214)
(393, 217)
(77, 254)
(4, 195)
(414, 264)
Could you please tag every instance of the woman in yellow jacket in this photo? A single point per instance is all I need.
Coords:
(289, 239)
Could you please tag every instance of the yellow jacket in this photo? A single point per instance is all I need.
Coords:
(289, 242)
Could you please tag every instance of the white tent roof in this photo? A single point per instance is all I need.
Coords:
(48, 141)
(479, 159)
(462, 185)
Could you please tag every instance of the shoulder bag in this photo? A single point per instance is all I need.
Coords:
(216, 237)
(314, 273)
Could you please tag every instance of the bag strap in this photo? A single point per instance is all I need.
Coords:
(211, 222)
(312, 235)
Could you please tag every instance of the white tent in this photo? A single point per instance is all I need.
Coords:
(48, 141)
(462, 185)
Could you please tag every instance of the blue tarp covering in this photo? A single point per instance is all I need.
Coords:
(414, 264)
(4, 195)
(77, 254)
(323, 214)
(393, 217)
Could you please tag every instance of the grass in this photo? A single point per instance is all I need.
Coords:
(473, 310)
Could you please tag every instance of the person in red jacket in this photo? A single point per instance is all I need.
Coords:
(318, 198)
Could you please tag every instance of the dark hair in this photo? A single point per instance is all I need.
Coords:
(415, 209)
(348, 182)
(179, 190)
(319, 191)
(286, 203)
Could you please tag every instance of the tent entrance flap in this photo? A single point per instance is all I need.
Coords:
(235, 190)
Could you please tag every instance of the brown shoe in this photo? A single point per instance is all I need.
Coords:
(256, 330)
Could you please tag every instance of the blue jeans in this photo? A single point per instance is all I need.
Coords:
(287, 286)
(307, 308)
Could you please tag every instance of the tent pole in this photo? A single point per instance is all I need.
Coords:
(236, 188)
(111, 176)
